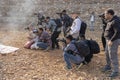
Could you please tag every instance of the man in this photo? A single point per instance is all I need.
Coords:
(44, 39)
(75, 28)
(54, 30)
(66, 20)
(40, 17)
(112, 35)
(92, 20)
(71, 53)
(104, 22)
(50, 24)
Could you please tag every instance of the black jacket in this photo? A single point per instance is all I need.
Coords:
(112, 31)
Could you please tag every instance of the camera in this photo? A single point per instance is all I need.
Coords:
(35, 31)
(27, 28)
(102, 15)
(61, 40)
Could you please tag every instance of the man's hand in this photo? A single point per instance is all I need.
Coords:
(110, 43)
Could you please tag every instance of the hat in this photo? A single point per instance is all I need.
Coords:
(64, 11)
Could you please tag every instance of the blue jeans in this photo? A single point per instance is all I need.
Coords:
(42, 45)
(92, 25)
(69, 58)
(112, 55)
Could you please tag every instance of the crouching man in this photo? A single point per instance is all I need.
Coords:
(71, 53)
(44, 41)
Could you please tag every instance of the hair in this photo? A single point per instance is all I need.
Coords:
(47, 17)
(64, 11)
(110, 11)
(41, 29)
(69, 37)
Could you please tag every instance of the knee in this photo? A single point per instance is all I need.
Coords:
(65, 54)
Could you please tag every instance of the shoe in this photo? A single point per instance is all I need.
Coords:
(68, 68)
(113, 74)
(48, 48)
(106, 68)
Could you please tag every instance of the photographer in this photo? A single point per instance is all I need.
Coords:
(104, 22)
(40, 17)
(71, 53)
(66, 20)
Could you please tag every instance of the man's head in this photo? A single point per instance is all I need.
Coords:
(47, 19)
(74, 15)
(69, 38)
(40, 30)
(64, 12)
(109, 14)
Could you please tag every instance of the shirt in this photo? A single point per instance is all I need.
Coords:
(75, 28)
(45, 37)
(71, 47)
(51, 25)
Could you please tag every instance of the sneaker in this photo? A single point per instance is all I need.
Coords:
(113, 74)
(106, 68)
(68, 68)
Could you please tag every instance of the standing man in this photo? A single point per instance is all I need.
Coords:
(66, 20)
(54, 30)
(104, 24)
(92, 21)
(75, 28)
(112, 35)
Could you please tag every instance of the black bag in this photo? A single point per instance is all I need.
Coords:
(82, 47)
(94, 46)
(70, 21)
(83, 28)
(58, 22)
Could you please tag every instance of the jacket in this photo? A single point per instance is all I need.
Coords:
(112, 31)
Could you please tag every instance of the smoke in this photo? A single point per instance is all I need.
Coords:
(20, 13)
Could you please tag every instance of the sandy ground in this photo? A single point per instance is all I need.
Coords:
(40, 65)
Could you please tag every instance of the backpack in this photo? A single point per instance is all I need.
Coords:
(94, 46)
(82, 48)
(70, 21)
(58, 22)
(83, 28)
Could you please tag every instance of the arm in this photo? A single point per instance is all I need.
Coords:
(71, 47)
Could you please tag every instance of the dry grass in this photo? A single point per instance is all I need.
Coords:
(39, 65)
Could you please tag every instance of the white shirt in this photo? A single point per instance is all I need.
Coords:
(75, 28)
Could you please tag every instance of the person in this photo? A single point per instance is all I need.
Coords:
(112, 35)
(71, 53)
(56, 34)
(54, 30)
(32, 38)
(66, 20)
(40, 17)
(75, 28)
(50, 24)
(44, 40)
(92, 20)
(104, 22)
